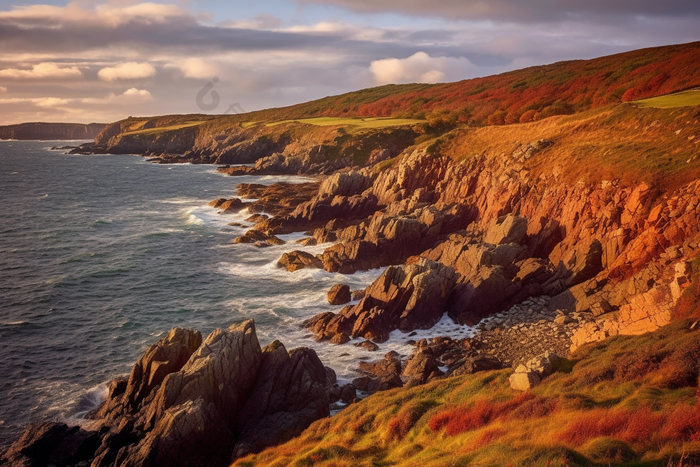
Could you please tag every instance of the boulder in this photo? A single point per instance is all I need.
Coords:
(578, 264)
(509, 229)
(339, 295)
(51, 444)
(404, 297)
(255, 236)
(227, 205)
(421, 367)
(530, 374)
(296, 260)
(473, 365)
(389, 366)
(524, 381)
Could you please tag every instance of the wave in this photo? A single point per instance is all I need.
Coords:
(15, 323)
(86, 402)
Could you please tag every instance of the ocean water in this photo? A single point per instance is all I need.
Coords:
(101, 255)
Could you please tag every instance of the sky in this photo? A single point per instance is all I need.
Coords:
(101, 61)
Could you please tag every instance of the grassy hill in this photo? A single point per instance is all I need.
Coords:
(521, 96)
(629, 401)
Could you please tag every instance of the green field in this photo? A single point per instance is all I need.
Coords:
(150, 131)
(369, 122)
(678, 99)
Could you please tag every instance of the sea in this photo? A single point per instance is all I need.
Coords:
(101, 255)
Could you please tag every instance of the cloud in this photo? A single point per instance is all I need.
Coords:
(195, 67)
(131, 95)
(44, 102)
(3, 89)
(129, 70)
(105, 15)
(518, 11)
(419, 68)
(42, 71)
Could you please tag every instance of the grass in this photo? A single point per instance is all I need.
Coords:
(657, 146)
(678, 99)
(621, 404)
(153, 131)
(359, 123)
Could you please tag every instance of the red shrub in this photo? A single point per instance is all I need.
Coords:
(480, 413)
(683, 424)
(594, 424)
(642, 426)
(487, 437)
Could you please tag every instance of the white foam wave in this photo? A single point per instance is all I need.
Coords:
(194, 220)
(188, 201)
(86, 402)
(344, 358)
(15, 323)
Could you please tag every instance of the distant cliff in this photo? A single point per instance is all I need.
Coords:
(51, 131)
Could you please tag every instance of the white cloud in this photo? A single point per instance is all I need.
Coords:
(42, 71)
(128, 70)
(419, 68)
(3, 89)
(44, 102)
(198, 68)
(140, 94)
(103, 15)
(130, 95)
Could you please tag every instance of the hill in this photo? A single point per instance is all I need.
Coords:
(523, 95)
(51, 131)
(628, 401)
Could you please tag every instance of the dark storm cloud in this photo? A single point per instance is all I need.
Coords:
(520, 10)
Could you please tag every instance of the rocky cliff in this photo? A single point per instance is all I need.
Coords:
(51, 131)
(487, 231)
(191, 402)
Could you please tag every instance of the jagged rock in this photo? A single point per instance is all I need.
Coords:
(578, 264)
(308, 241)
(473, 365)
(481, 294)
(291, 392)
(255, 218)
(160, 359)
(256, 236)
(339, 295)
(371, 385)
(368, 345)
(407, 298)
(51, 444)
(296, 260)
(227, 205)
(389, 366)
(510, 229)
(544, 365)
(347, 183)
(189, 402)
(421, 367)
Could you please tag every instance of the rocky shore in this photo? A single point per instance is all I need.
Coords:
(536, 264)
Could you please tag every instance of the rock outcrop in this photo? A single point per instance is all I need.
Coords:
(188, 402)
(339, 294)
(405, 297)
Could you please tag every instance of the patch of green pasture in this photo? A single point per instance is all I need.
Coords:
(678, 99)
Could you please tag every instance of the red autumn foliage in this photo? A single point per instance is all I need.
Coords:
(470, 417)
(683, 424)
(594, 424)
(555, 89)
(641, 426)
